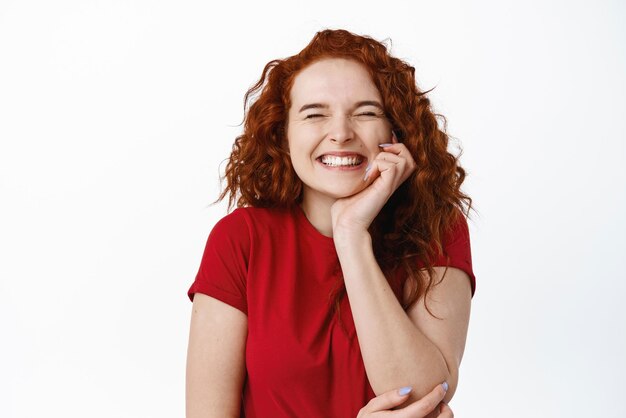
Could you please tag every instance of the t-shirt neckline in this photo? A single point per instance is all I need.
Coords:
(310, 229)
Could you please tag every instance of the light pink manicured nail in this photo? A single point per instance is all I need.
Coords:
(367, 170)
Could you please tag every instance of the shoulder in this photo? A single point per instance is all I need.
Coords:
(251, 215)
(457, 250)
(255, 217)
(250, 223)
(234, 224)
(457, 231)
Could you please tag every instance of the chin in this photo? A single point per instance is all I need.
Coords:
(340, 193)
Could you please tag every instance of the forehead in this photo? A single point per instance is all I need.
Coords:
(333, 80)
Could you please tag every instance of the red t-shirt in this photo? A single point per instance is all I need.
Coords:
(275, 267)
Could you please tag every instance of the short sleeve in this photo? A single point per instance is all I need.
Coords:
(457, 251)
(224, 266)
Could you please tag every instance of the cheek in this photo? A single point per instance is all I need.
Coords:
(301, 140)
(292, 142)
(376, 134)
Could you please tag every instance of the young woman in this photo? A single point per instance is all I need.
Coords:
(341, 284)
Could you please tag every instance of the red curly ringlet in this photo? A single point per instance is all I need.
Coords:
(412, 224)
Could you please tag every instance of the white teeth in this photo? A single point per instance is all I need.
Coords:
(336, 161)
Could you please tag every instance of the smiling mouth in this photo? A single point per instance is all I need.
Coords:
(337, 161)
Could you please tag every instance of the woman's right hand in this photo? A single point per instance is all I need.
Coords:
(429, 406)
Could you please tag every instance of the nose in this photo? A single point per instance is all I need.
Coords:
(340, 130)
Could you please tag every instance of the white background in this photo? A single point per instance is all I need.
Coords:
(115, 116)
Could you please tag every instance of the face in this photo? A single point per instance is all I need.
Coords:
(336, 122)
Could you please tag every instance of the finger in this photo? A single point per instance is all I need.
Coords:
(386, 166)
(446, 412)
(368, 172)
(427, 404)
(399, 150)
(388, 156)
(403, 167)
(377, 168)
(399, 155)
(388, 400)
(395, 147)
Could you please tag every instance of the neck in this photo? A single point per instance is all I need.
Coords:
(316, 207)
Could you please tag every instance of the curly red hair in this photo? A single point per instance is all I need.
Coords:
(412, 224)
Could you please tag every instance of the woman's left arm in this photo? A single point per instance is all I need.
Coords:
(406, 348)
(399, 348)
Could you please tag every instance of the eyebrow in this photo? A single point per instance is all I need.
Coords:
(369, 103)
(325, 106)
(313, 106)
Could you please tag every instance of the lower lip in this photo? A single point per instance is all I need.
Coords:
(343, 167)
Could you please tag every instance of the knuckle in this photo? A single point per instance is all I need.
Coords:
(387, 396)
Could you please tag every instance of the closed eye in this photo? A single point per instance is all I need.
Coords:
(368, 115)
(313, 116)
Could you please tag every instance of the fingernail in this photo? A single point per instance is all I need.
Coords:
(367, 170)
(384, 145)
(445, 386)
(405, 390)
